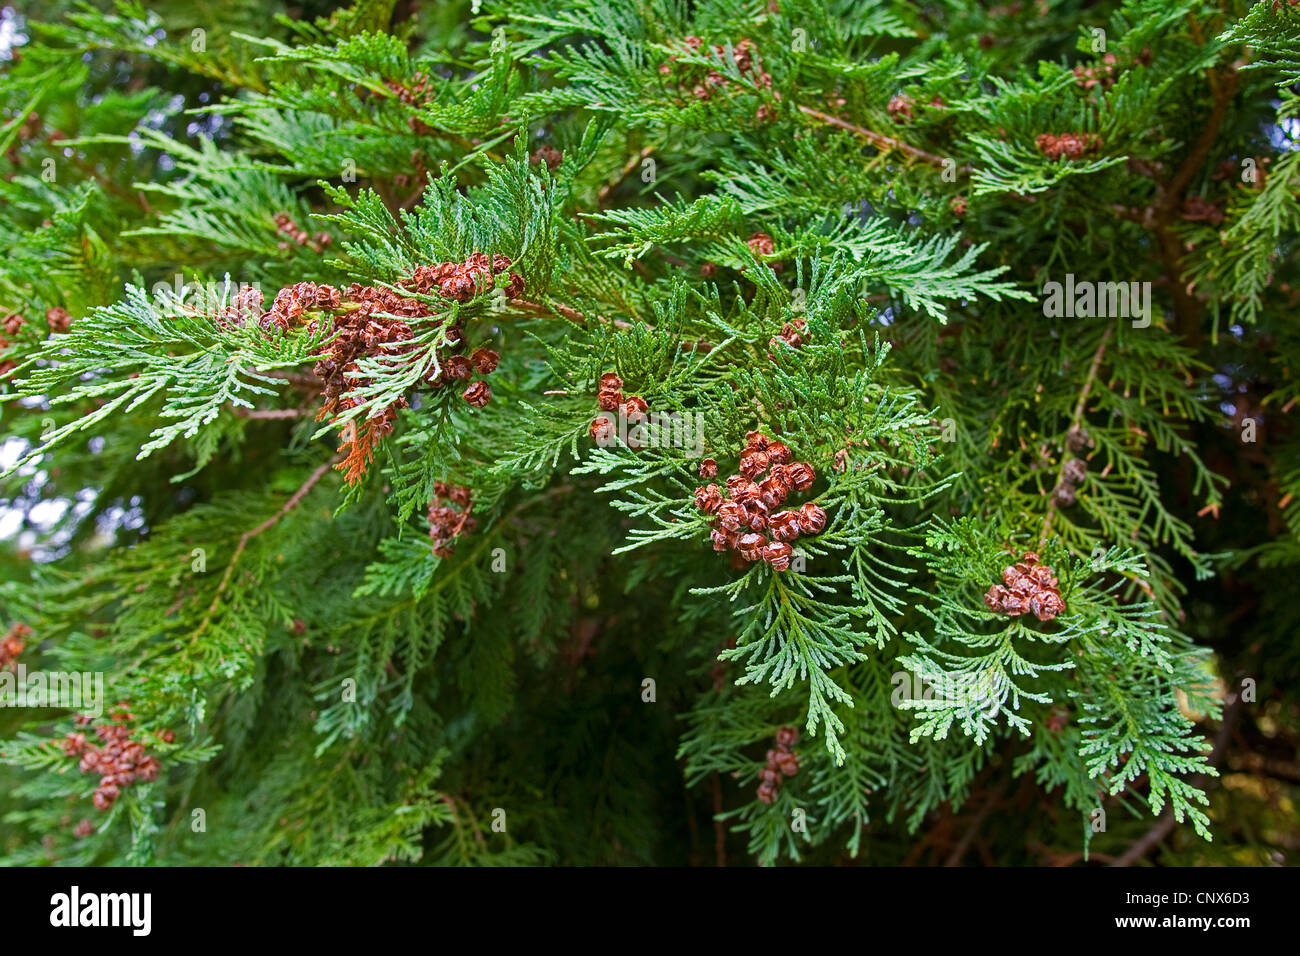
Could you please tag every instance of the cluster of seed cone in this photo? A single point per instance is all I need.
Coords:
(1072, 146)
(286, 226)
(372, 322)
(1075, 471)
(793, 334)
(633, 409)
(748, 64)
(782, 762)
(749, 506)
(118, 760)
(1027, 588)
(415, 92)
(901, 108)
(13, 645)
(445, 522)
(13, 323)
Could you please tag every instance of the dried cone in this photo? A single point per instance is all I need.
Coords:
(708, 499)
(1028, 587)
(478, 394)
(751, 546)
(812, 519)
(801, 475)
(731, 516)
(602, 431)
(778, 554)
(782, 762)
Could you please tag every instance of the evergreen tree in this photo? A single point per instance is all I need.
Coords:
(583, 431)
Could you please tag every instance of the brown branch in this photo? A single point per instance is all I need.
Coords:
(248, 536)
(1158, 218)
(1172, 191)
(268, 413)
(1075, 421)
(879, 140)
(630, 165)
(1166, 822)
(954, 858)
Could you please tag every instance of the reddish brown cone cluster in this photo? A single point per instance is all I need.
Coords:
(761, 244)
(1075, 471)
(13, 645)
(548, 154)
(118, 760)
(793, 334)
(900, 108)
(372, 322)
(1089, 76)
(633, 409)
(463, 280)
(748, 507)
(284, 224)
(1070, 145)
(416, 91)
(782, 762)
(1105, 73)
(1030, 588)
(748, 64)
(58, 319)
(445, 522)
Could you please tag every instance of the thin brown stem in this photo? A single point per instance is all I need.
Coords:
(880, 140)
(1075, 421)
(630, 165)
(268, 413)
(1165, 824)
(294, 500)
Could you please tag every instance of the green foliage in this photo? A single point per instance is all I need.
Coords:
(581, 678)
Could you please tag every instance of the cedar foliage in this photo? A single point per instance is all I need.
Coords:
(179, 517)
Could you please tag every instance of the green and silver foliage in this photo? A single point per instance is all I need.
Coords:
(343, 696)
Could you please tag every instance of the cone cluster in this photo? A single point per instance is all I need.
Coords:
(1070, 145)
(445, 522)
(119, 761)
(632, 408)
(749, 505)
(13, 645)
(371, 322)
(782, 762)
(1027, 588)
